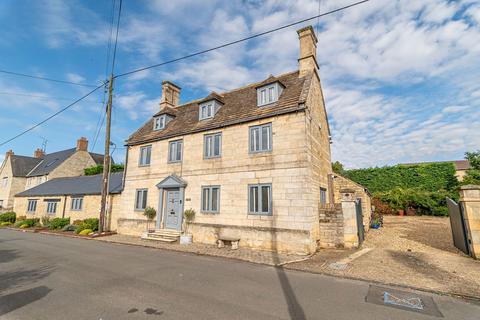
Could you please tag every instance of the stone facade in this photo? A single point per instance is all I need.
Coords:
(360, 192)
(13, 185)
(470, 198)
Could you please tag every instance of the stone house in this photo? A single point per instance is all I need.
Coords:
(19, 173)
(254, 163)
(75, 197)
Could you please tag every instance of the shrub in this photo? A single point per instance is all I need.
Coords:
(90, 171)
(24, 226)
(150, 213)
(77, 222)
(32, 222)
(85, 232)
(21, 218)
(46, 221)
(69, 227)
(5, 223)
(8, 217)
(91, 223)
(59, 223)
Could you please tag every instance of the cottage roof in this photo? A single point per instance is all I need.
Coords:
(239, 105)
(22, 165)
(75, 186)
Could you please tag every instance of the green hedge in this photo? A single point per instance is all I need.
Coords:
(58, 223)
(8, 217)
(90, 171)
(427, 177)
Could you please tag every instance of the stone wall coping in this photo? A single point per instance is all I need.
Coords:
(470, 187)
(347, 190)
(213, 225)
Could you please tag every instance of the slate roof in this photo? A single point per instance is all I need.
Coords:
(75, 186)
(239, 106)
(22, 165)
(462, 164)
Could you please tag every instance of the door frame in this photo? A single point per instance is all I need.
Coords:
(170, 183)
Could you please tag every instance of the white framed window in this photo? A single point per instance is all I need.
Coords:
(4, 182)
(260, 199)
(212, 145)
(52, 206)
(175, 151)
(211, 199)
(77, 204)
(261, 138)
(145, 156)
(206, 110)
(159, 122)
(268, 94)
(32, 205)
(141, 199)
(323, 195)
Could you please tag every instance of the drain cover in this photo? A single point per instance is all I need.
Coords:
(402, 300)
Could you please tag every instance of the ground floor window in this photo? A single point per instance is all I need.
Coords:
(211, 199)
(260, 199)
(52, 206)
(323, 196)
(1, 204)
(32, 205)
(141, 199)
(77, 204)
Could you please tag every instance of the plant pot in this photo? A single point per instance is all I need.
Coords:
(401, 213)
(186, 239)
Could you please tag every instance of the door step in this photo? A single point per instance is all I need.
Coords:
(162, 235)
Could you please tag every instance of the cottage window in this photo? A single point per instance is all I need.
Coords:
(52, 206)
(141, 199)
(323, 195)
(268, 94)
(5, 182)
(175, 151)
(261, 138)
(32, 205)
(1, 204)
(211, 199)
(212, 145)
(145, 155)
(206, 111)
(260, 199)
(159, 122)
(77, 204)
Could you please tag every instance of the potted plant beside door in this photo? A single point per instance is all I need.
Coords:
(150, 213)
(188, 216)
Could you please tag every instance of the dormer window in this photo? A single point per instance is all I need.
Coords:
(208, 109)
(159, 122)
(269, 94)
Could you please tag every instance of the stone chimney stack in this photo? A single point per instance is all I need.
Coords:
(170, 95)
(9, 153)
(307, 61)
(82, 144)
(39, 153)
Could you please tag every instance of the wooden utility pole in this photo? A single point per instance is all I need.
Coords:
(106, 160)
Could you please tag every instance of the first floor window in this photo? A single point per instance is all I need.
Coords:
(1, 204)
(145, 155)
(141, 199)
(32, 205)
(213, 145)
(77, 204)
(211, 199)
(323, 195)
(261, 138)
(260, 199)
(175, 151)
(51, 207)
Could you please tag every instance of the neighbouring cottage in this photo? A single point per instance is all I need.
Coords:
(254, 163)
(75, 197)
(19, 173)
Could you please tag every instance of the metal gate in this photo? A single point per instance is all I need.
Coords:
(361, 230)
(459, 231)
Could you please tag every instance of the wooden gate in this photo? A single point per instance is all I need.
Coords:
(457, 222)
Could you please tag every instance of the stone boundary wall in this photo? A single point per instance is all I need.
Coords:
(331, 226)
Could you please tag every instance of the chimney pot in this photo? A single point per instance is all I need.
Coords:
(39, 153)
(9, 153)
(82, 144)
(170, 95)
(308, 50)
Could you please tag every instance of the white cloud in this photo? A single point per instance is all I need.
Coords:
(136, 104)
(73, 77)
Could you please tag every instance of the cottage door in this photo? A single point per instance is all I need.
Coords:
(173, 214)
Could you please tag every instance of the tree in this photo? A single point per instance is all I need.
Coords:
(98, 169)
(337, 167)
(472, 175)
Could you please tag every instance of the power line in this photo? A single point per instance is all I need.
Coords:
(34, 96)
(240, 40)
(116, 37)
(47, 79)
(52, 116)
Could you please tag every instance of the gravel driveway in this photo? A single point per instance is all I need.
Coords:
(411, 251)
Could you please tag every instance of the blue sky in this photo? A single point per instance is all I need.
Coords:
(400, 78)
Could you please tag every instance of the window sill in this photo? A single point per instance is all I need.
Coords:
(174, 162)
(143, 165)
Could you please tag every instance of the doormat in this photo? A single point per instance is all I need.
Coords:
(403, 300)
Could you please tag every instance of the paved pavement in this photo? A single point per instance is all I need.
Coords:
(48, 277)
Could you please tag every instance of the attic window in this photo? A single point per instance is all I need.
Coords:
(208, 109)
(269, 94)
(159, 122)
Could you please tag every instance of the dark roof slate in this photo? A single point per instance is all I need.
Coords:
(239, 106)
(75, 186)
(51, 161)
(22, 165)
